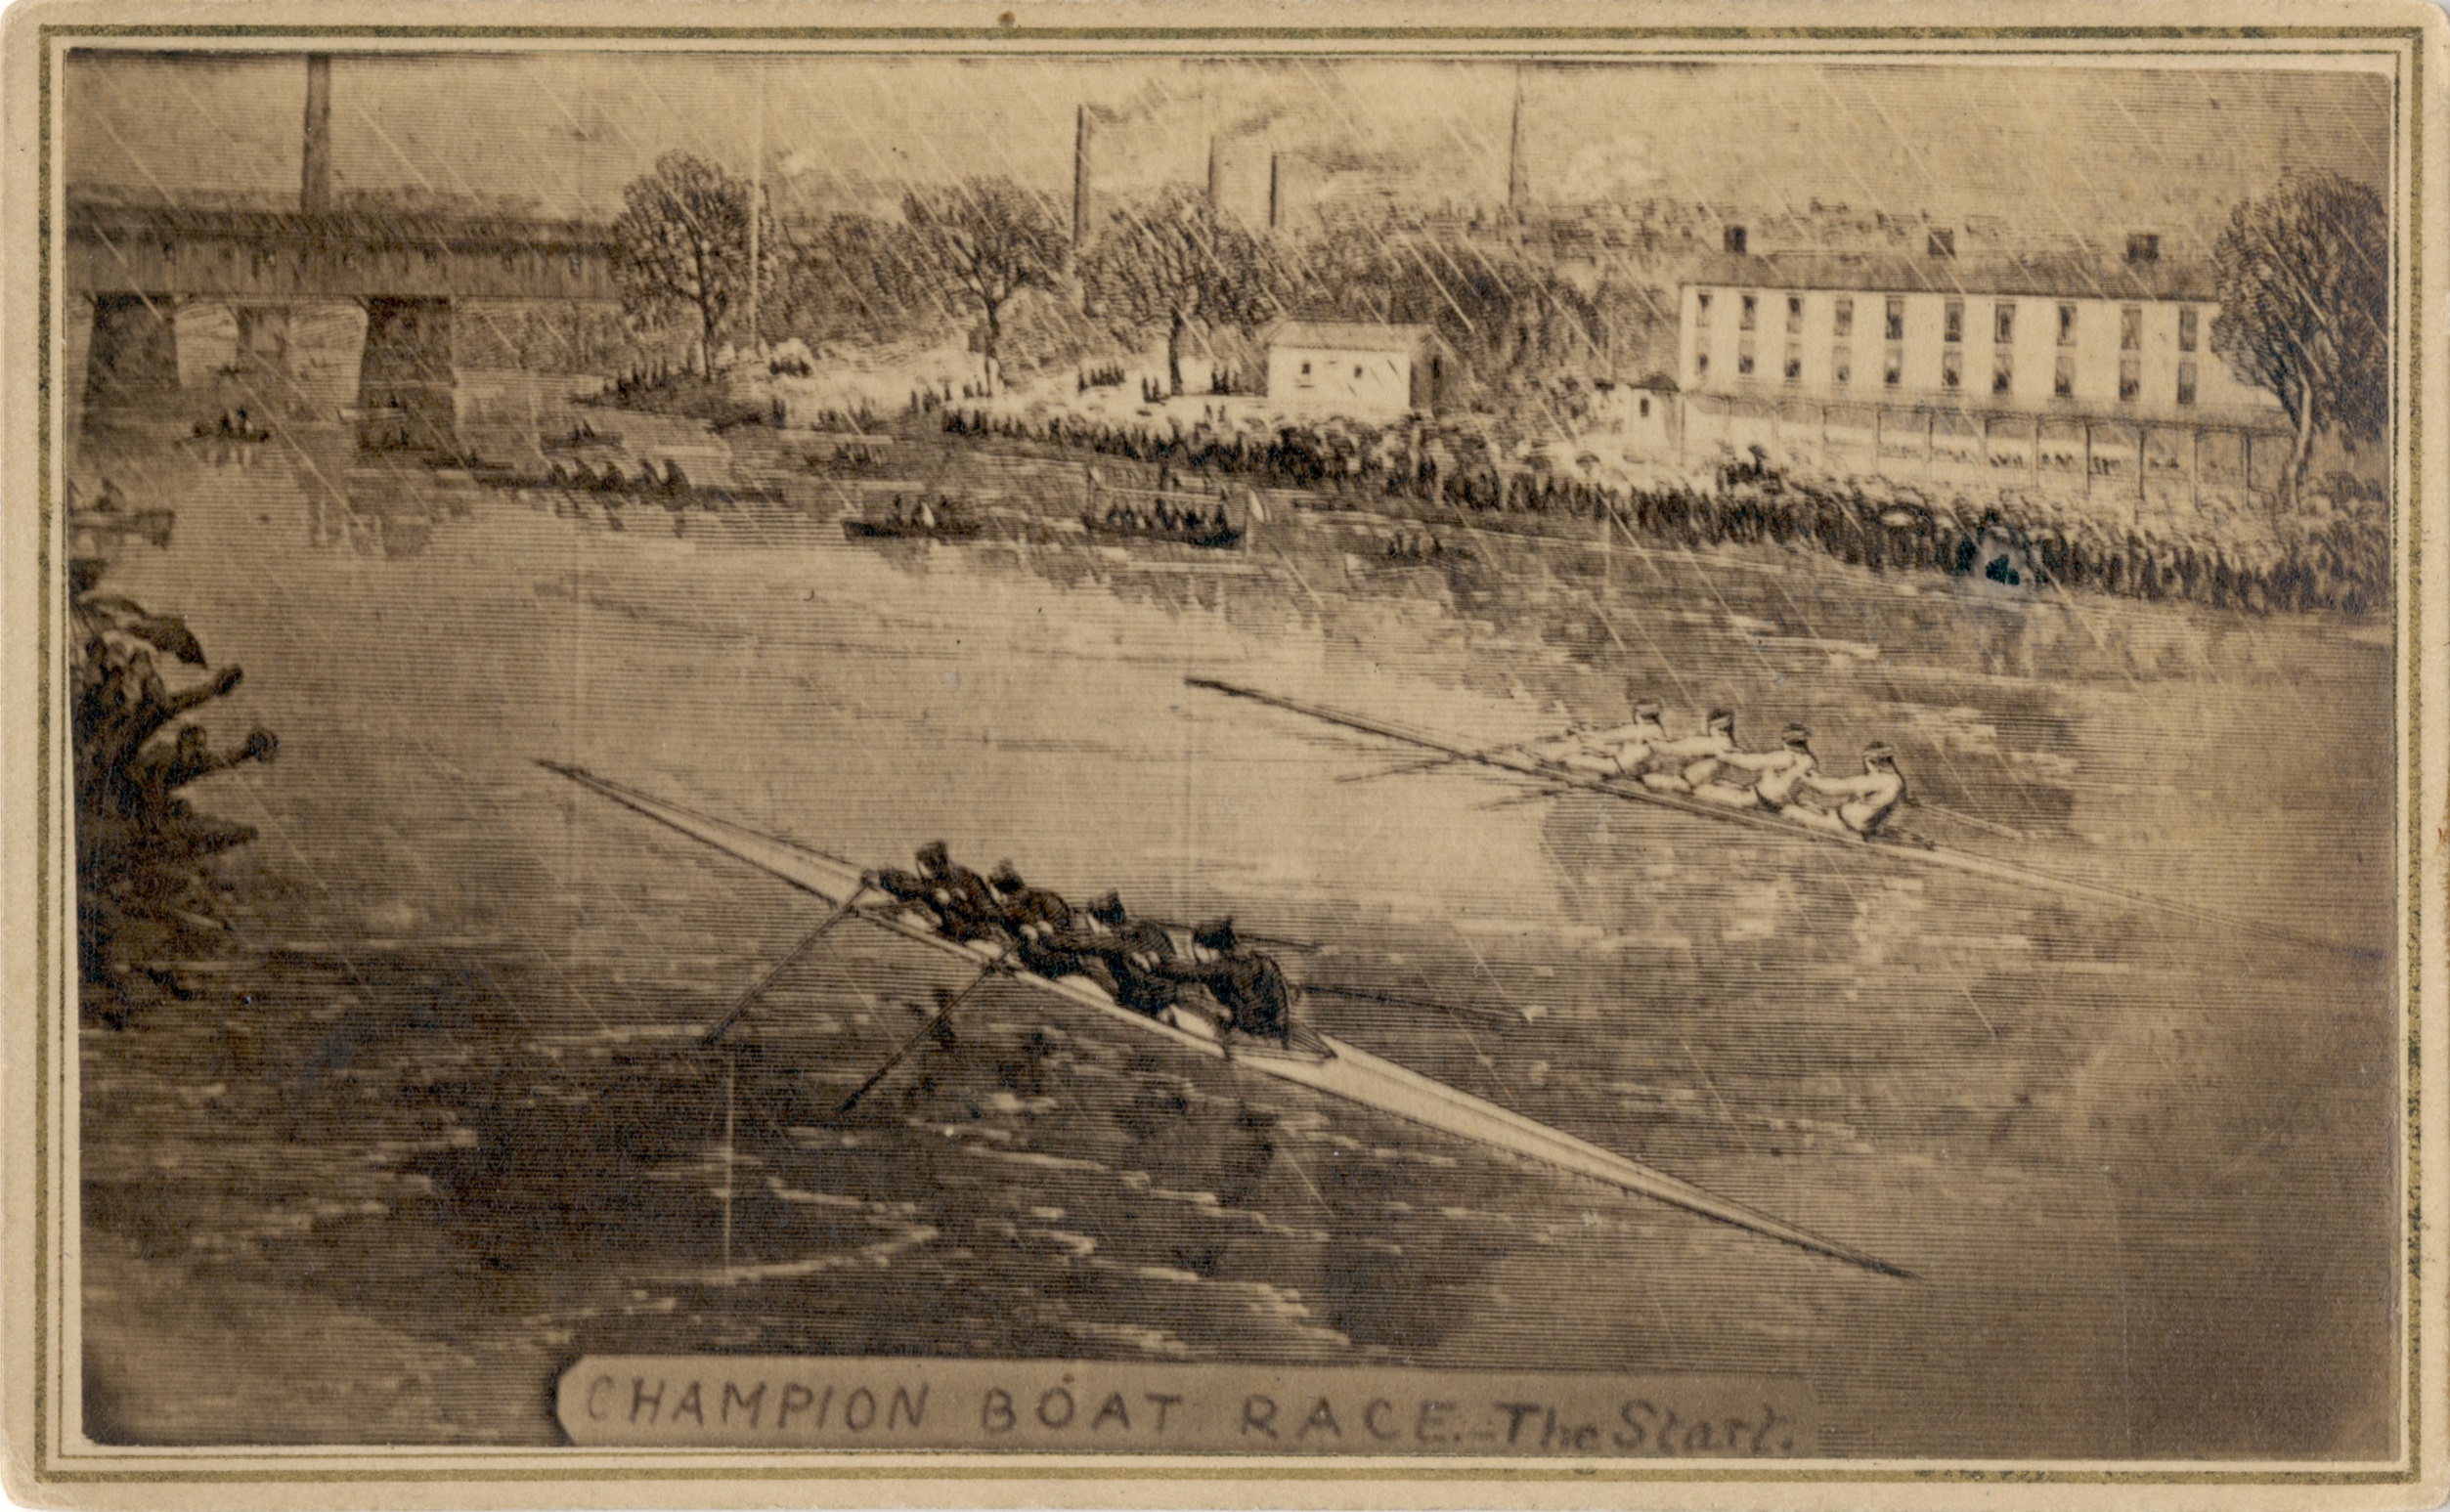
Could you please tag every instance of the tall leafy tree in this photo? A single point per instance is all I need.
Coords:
(983, 241)
(2304, 290)
(683, 240)
(1179, 266)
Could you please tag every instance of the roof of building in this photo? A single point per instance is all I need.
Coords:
(2059, 276)
(1349, 335)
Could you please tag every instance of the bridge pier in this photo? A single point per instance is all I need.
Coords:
(131, 350)
(408, 385)
(194, 358)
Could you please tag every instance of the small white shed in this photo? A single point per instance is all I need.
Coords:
(1358, 368)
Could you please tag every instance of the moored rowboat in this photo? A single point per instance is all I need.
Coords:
(1319, 1062)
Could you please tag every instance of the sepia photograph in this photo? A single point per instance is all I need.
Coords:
(1508, 763)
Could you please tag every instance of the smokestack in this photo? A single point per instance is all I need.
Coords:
(1276, 201)
(1216, 178)
(314, 184)
(1516, 192)
(1080, 181)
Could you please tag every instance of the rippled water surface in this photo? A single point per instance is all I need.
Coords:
(436, 1124)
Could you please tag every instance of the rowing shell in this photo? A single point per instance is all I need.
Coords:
(1319, 1062)
(1906, 848)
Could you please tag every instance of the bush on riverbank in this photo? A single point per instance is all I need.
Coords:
(143, 890)
(2331, 552)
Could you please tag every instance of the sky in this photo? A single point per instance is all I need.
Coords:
(2094, 150)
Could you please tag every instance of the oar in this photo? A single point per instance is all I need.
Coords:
(1432, 763)
(944, 1017)
(1391, 1000)
(741, 1006)
(1945, 813)
(1280, 941)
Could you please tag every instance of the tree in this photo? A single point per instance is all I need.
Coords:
(684, 239)
(1180, 265)
(854, 277)
(2304, 290)
(984, 241)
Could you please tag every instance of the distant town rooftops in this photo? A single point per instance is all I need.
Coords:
(2061, 276)
(1349, 335)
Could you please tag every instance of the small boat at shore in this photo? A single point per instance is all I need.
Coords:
(1319, 1062)
(958, 527)
(1211, 537)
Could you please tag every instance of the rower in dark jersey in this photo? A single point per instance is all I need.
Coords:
(1128, 954)
(1247, 985)
(1035, 917)
(964, 909)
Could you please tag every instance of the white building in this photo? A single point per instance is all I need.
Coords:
(2065, 373)
(1367, 371)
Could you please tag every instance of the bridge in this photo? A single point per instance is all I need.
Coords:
(328, 310)
(348, 311)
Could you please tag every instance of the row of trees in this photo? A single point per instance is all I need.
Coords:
(2302, 282)
(1171, 265)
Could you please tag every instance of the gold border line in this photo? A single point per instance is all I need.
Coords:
(2407, 81)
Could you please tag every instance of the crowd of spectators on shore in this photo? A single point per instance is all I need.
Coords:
(2332, 551)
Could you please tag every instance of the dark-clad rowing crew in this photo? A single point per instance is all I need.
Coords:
(1711, 767)
(1133, 959)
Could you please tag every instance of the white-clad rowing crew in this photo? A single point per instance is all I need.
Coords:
(1709, 766)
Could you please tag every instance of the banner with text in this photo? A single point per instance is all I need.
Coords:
(1075, 1406)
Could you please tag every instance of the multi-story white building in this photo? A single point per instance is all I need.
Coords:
(2069, 373)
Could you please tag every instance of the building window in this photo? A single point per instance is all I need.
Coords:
(1645, 409)
(2063, 378)
(2002, 373)
(1794, 315)
(1794, 362)
(1942, 243)
(1743, 357)
(1356, 369)
(1305, 370)
(2186, 382)
(2186, 328)
(2131, 378)
(1732, 239)
(1893, 366)
(1752, 311)
(1951, 368)
(2143, 247)
(2067, 326)
(1842, 321)
(1897, 318)
(1952, 321)
(2131, 329)
(1842, 365)
(1701, 303)
(1701, 365)
(2002, 323)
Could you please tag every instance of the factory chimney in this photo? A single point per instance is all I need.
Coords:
(1080, 181)
(1517, 193)
(1216, 178)
(314, 183)
(1276, 201)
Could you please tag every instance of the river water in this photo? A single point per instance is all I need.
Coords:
(435, 1124)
